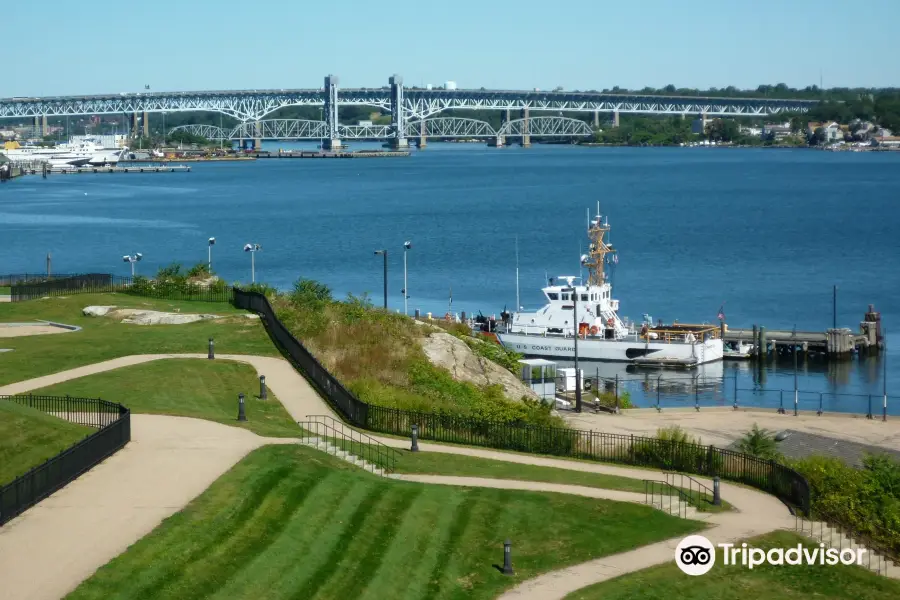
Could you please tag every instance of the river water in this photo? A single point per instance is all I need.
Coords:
(766, 232)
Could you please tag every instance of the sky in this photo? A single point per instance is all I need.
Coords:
(522, 44)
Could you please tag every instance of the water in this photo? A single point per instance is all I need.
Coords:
(766, 232)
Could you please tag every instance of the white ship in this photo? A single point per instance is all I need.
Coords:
(86, 152)
(602, 335)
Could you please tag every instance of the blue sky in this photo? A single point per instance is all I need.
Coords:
(579, 44)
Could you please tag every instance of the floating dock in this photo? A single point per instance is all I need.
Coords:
(132, 169)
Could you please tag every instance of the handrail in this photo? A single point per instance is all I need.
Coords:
(356, 443)
(704, 494)
(387, 450)
(654, 488)
(823, 518)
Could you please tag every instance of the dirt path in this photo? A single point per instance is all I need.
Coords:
(52, 547)
(172, 460)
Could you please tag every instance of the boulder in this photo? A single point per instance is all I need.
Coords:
(97, 311)
(447, 351)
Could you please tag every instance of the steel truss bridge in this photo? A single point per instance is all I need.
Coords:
(404, 104)
(438, 127)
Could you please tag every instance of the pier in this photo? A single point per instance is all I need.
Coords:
(108, 169)
(833, 342)
(330, 154)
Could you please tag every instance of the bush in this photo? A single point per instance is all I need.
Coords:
(865, 500)
(759, 443)
(675, 450)
(199, 271)
(263, 288)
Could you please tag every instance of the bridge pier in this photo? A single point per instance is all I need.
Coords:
(333, 141)
(146, 124)
(500, 141)
(257, 140)
(423, 135)
(596, 119)
(35, 126)
(45, 131)
(526, 137)
(615, 118)
(399, 141)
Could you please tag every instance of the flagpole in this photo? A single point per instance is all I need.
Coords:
(517, 274)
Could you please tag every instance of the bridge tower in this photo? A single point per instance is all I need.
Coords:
(333, 141)
(526, 137)
(398, 123)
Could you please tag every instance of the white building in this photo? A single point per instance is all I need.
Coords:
(450, 85)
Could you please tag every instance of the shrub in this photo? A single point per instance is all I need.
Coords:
(759, 443)
(492, 351)
(310, 293)
(676, 450)
(263, 288)
(199, 271)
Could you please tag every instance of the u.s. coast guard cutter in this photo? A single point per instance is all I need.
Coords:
(603, 336)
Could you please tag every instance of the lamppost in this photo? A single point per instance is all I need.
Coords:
(574, 291)
(136, 257)
(406, 246)
(212, 242)
(385, 254)
(252, 249)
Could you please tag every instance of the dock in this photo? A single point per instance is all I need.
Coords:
(331, 154)
(833, 342)
(110, 169)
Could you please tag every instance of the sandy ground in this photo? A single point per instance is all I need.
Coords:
(721, 427)
(7, 331)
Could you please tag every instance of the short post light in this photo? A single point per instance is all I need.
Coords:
(263, 395)
(212, 350)
(242, 415)
(717, 496)
(415, 438)
(507, 558)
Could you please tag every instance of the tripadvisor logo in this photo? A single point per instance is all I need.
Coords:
(696, 555)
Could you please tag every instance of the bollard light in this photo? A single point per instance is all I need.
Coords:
(717, 497)
(242, 416)
(212, 353)
(507, 558)
(415, 438)
(262, 387)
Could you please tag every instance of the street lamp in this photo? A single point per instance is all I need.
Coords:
(574, 291)
(212, 242)
(385, 254)
(252, 249)
(132, 259)
(406, 246)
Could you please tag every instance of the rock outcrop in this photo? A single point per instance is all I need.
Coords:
(453, 354)
(146, 317)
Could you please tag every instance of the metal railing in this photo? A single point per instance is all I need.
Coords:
(781, 481)
(113, 422)
(833, 531)
(341, 438)
(700, 495)
(666, 497)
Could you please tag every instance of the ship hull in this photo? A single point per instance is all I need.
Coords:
(631, 351)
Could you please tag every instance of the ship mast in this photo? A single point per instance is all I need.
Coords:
(595, 259)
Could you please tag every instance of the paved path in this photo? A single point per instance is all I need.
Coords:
(52, 547)
(171, 460)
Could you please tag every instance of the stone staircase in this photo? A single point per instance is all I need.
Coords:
(325, 445)
(677, 507)
(833, 537)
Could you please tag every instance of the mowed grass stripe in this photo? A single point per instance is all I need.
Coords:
(416, 551)
(364, 555)
(293, 556)
(255, 534)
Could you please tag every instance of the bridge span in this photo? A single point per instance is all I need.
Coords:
(404, 104)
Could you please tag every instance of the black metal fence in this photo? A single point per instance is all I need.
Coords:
(769, 476)
(113, 423)
(14, 278)
(99, 283)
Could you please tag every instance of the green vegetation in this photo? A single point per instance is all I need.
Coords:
(740, 583)
(103, 338)
(28, 437)
(5, 290)
(291, 522)
(492, 351)
(203, 389)
(759, 443)
(866, 500)
(379, 357)
(646, 131)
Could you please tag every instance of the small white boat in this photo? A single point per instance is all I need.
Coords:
(602, 335)
(739, 350)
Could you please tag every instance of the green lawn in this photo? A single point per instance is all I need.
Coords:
(292, 522)
(28, 437)
(206, 389)
(102, 338)
(4, 290)
(739, 583)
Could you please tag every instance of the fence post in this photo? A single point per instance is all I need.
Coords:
(781, 402)
(717, 498)
(263, 395)
(617, 391)
(819, 412)
(735, 392)
(242, 416)
(212, 353)
(507, 558)
(415, 438)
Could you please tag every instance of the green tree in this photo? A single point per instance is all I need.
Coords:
(723, 130)
(759, 443)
